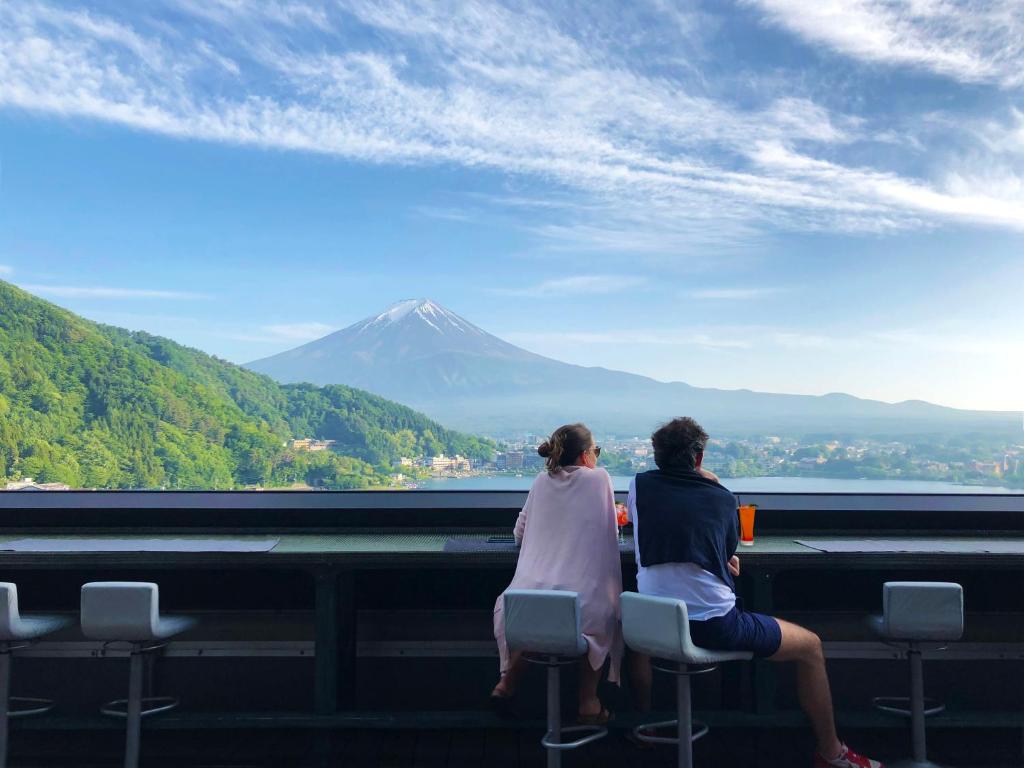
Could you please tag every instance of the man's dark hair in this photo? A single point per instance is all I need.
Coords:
(677, 443)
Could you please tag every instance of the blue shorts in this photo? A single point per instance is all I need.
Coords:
(738, 630)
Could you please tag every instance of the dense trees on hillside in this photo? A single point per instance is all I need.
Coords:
(100, 407)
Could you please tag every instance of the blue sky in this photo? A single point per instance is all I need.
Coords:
(786, 195)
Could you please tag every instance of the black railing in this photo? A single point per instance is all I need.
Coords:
(955, 513)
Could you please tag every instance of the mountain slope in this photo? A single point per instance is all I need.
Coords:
(421, 354)
(96, 406)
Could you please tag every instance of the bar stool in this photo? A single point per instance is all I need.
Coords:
(659, 627)
(916, 612)
(129, 612)
(544, 624)
(15, 632)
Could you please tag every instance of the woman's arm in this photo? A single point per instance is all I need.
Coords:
(520, 527)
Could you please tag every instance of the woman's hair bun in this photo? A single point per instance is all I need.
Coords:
(565, 446)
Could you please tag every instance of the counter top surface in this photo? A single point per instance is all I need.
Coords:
(386, 548)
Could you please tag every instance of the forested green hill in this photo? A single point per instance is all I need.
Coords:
(99, 407)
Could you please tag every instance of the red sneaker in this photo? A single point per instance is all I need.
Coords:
(847, 759)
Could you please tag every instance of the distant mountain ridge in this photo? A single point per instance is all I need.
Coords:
(95, 406)
(426, 356)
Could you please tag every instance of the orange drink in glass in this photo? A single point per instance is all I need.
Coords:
(621, 519)
(747, 524)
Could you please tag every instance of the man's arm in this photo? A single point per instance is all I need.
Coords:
(708, 474)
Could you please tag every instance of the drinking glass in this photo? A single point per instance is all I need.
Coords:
(747, 524)
(621, 519)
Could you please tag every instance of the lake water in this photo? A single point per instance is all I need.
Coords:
(741, 484)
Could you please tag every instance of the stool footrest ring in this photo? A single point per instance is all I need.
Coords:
(900, 705)
(119, 707)
(682, 669)
(34, 706)
(550, 659)
(697, 729)
(594, 732)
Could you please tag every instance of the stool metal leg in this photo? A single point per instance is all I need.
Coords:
(554, 734)
(9, 705)
(687, 731)
(5, 692)
(134, 719)
(554, 741)
(917, 714)
(917, 706)
(683, 726)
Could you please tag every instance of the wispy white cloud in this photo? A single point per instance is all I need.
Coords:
(107, 292)
(658, 337)
(6, 269)
(893, 198)
(1004, 138)
(954, 343)
(731, 294)
(761, 337)
(300, 331)
(576, 285)
(444, 214)
(968, 40)
(290, 333)
(652, 161)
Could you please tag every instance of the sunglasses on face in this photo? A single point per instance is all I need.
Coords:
(597, 451)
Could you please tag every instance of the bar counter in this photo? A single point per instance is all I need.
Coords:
(412, 548)
(378, 561)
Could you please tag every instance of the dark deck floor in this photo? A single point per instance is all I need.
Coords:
(497, 748)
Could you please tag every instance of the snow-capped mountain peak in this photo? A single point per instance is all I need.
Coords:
(422, 311)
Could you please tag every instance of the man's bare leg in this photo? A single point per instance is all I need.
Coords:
(804, 647)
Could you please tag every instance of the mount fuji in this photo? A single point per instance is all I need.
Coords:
(426, 356)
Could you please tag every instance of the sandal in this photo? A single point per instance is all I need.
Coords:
(601, 718)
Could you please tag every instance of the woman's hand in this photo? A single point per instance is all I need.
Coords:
(734, 565)
(621, 514)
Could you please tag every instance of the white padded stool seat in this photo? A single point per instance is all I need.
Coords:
(127, 611)
(15, 631)
(544, 621)
(920, 611)
(544, 625)
(660, 627)
(15, 627)
(916, 613)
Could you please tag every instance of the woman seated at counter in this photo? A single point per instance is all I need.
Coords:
(569, 541)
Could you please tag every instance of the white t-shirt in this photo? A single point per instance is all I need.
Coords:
(706, 596)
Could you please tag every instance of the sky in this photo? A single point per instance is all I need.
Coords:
(803, 196)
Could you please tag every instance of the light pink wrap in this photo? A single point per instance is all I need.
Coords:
(570, 541)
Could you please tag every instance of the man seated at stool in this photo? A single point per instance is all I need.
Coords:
(685, 530)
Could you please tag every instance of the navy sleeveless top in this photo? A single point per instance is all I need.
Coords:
(686, 518)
